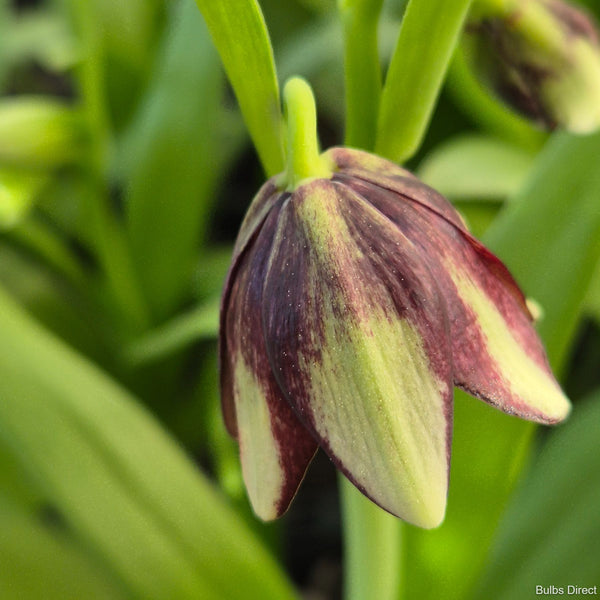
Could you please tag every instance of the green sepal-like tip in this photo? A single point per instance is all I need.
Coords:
(303, 158)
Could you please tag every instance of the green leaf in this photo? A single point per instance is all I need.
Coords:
(475, 167)
(41, 560)
(240, 35)
(550, 534)
(416, 73)
(197, 324)
(488, 453)
(592, 301)
(121, 485)
(172, 156)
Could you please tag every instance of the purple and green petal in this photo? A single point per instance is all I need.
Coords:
(275, 448)
(497, 354)
(357, 337)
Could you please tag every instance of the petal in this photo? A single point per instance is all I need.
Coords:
(497, 353)
(401, 182)
(360, 346)
(275, 448)
(349, 159)
(264, 202)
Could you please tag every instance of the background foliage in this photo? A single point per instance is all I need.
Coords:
(125, 170)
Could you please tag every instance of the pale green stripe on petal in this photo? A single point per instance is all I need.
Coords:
(259, 450)
(521, 375)
(374, 397)
(382, 415)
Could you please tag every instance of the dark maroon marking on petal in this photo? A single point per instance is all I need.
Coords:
(300, 279)
(244, 335)
(474, 370)
(576, 21)
(350, 158)
(404, 189)
(410, 283)
(245, 239)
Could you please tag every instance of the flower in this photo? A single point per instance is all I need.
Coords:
(542, 57)
(353, 305)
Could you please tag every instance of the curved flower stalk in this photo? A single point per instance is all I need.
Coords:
(542, 57)
(355, 301)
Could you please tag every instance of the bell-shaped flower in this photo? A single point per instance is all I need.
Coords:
(356, 300)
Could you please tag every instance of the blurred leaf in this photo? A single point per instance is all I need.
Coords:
(48, 246)
(211, 271)
(119, 482)
(120, 38)
(197, 324)
(549, 236)
(592, 300)
(39, 132)
(478, 215)
(550, 534)
(51, 301)
(240, 35)
(38, 563)
(172, 156)
(128, 29)
(476, 167)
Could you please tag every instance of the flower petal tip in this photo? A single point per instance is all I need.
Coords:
(558, 409)
(429, 510)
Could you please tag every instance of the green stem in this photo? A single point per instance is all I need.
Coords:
(372, 539)
(428, 36)
(362, 70)
(304, 160)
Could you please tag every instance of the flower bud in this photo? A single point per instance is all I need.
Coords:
(39, 133)
(18, 190)
(542, 57)
(355, 301)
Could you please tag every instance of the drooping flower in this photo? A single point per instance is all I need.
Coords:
(356, 300)
(542, 57)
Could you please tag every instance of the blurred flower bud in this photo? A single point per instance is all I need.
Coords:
(18, 190)
(39, 133)
(540, 56)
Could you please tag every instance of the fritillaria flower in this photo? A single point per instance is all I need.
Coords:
(542, 57)
(355, 302)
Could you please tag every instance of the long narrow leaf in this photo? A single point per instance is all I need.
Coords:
(551, 532)
(118, 481)
(172, 156)
(240, 35)
(428, 35)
